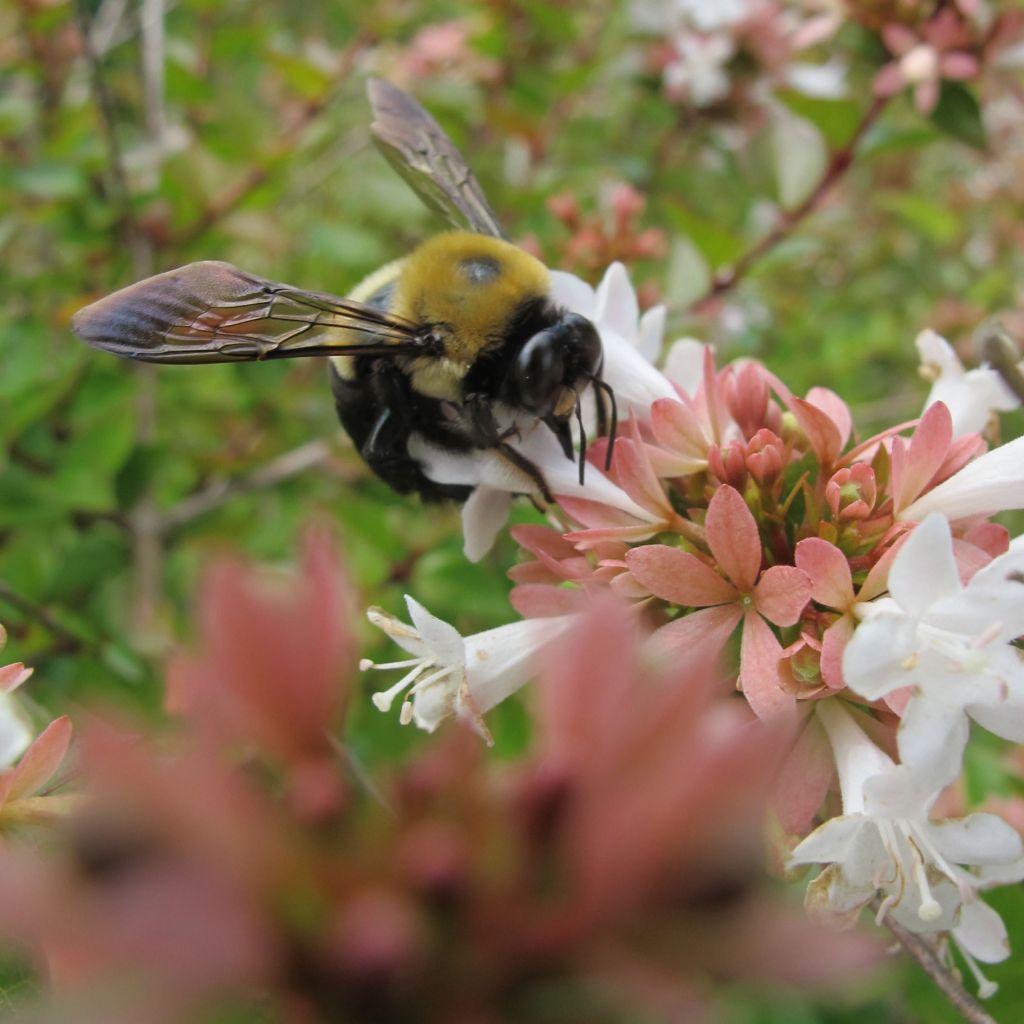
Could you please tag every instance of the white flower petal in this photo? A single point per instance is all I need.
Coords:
(499, 661)
(993, 482)
(684, 365)
(880, 655)
(617, 306)
(1005, 718)
(636, 383)
(971, 397)
(440, 638)
(484, 514)
(981, 933)
(978, 839)
(933, 734)
(830, 841)
(400, 632)
(651, 333)
(924, 570)
(573, 293)
(15, 730)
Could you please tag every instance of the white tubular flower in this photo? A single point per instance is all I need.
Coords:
(991, 483)
(884, 844)
(973, 397)
(949, 642)
(699, 70)
(630, 342)
(454, 675)
(496, 479)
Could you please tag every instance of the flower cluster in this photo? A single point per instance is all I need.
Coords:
(727, 53)
(247, 864)
(874, 604)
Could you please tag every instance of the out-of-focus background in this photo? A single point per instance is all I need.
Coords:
(138, 136)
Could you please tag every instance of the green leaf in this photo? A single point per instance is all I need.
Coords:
(932, 219)
(959, 115)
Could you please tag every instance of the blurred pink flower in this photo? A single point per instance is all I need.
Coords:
(274, 659)
(24, 796)
(924, 60)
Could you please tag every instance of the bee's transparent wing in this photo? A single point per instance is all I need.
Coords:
(212, 312)
(418, 148)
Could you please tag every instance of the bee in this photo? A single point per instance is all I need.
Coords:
(459, 342)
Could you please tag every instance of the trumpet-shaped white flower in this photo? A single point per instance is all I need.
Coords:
(972, 396)
(454, 675)
(991, 483)
(884, 844)
(950, 643)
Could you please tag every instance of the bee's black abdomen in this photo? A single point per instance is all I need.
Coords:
(380, 413)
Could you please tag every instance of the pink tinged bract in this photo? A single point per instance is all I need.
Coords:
(829, 572)
(833, 644)
(915, 462)
(782, 593)
(39, 763)
(679, 577)
(805, 778)
(760, 653)
(733, 537)
(703, 633)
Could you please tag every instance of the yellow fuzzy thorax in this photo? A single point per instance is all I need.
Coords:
(435, 288)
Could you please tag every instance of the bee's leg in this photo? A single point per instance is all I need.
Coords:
(484, 431)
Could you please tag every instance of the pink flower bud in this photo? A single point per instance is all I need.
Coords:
(765, 457)
(564, 208)
(729, 464)
(746, 395)
(851, 492)
(626, 204)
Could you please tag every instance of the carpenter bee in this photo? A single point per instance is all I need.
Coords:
(459, 342)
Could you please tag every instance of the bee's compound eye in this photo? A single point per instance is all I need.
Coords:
(586, 344)
(540, 370)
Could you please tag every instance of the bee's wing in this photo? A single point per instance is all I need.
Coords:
(417, 147)
(212, 312)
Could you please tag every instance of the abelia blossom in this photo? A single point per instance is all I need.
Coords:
(951, 643)
(927, 873)
(450, 675)
(924, 61)
(973, 397)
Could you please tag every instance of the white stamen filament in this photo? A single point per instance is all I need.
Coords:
(986, 988)
(382, 699)
(380, 666)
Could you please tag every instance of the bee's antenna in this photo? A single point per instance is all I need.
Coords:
(583, 437)
(602, 388)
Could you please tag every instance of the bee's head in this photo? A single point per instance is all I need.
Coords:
(551, 370)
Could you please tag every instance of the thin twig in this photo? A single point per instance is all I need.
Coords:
(290, 464)
(947, 983)
(233, 195)
(66, 640)
(840, 161)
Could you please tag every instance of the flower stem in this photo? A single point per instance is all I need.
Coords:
(948, 984)
(840, 161)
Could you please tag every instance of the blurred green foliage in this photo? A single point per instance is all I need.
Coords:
(254, 149)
